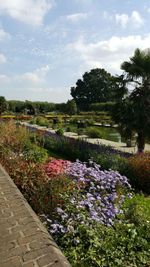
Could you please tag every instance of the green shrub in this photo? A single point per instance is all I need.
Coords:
(115, 162)
(93, 132)
(42, 121)
(126, 243)
(90, 122)
(68, 129)
(80, 131)
(35, 153)
(33, 121)
(60, 131)
(107, 106)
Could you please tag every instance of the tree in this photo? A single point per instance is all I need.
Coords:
(71, 107)
(95, 87)
(16, 106)
(3, 104)
(123, 113)
(137, 117)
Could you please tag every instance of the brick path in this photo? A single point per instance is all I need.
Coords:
(24, 241)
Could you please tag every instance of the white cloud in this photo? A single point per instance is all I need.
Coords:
(134, 20)
(107, 16)
(122, 19)
(30, 12)
(4, 35)
(36, 77)
(84, 2)
(76, 17)
(2, 59)
(108, 54)
(4, 78)
(137, 19)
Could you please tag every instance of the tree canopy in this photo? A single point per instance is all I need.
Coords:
(96, 86)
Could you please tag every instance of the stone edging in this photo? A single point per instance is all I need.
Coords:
(24, 239)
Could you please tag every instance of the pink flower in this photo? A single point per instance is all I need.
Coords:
(56, 167)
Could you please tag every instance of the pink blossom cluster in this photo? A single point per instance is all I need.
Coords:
(56, 167)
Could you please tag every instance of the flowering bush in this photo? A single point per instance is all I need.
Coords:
(84, 206)
(92, 227)
(97, 194)
(56, 167)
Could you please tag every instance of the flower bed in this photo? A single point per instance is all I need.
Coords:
(88, 210)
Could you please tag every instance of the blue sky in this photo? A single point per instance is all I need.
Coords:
(46, 45)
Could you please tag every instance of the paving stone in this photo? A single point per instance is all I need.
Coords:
(45, 260)
(16, 262)
(31, 255)
(24, 241)
(18, 251)
(30, 264)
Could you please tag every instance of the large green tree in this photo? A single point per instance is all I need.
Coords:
(133, 113)
(95, 87)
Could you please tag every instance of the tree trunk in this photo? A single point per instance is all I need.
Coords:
(141, 142)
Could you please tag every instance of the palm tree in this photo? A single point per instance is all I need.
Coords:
(137, 71)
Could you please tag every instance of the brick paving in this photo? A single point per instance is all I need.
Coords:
(24, 241)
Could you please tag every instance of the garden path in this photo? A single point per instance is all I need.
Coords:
(24, 241)
(116, 145)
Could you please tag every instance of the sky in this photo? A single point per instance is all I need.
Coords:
(47, 45)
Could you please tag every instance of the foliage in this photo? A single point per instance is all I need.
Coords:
(102, 106)
(3, 104)
(35, 153)
(50, 193)
(60, 131)
(30, 107)
(88, 210)
(96, 86)
(139, 171)
(67, 108)
(93, 132)
(42, 121)
(97, 194)
(133, 111)
(87, 228)
(90, 122)
(77, 149)
(13, 137)
(115, 162)
(123, 114)
(71, 107)
(28, 177)
(124, 244)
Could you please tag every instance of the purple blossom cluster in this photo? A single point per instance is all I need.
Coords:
(97, 197)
